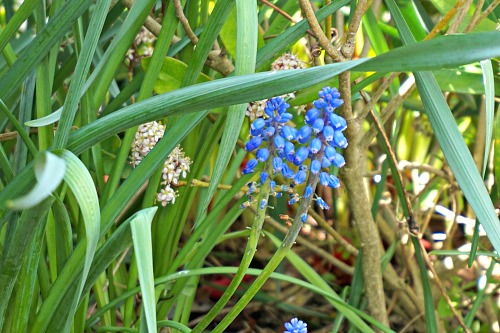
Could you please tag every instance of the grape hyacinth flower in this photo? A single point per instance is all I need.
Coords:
(295, 326)
(176, 165)
(298, 154)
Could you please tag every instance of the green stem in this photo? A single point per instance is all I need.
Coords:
(276, 259)
(249, 253)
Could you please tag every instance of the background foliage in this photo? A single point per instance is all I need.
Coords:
(86, 244)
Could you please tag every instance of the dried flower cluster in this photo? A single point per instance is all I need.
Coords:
(176, 165)
(285, 62)
(143, 45)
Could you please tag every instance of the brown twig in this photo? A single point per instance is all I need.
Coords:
(184, 21)
(411, 219)
(324, 41)
(283, 13)
(441, 288)
(487, 12)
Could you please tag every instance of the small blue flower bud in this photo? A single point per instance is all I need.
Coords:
(338, 122)
(333, 181)
(279, 142)
(301, 155)
(300, 177)
(263, 204)
(324, 178)
(287, 133)
(287, 172)
(283, 118)
(289, 149)
(304, 134)
(272, 185)
(330, 153)
(262, 154)
(322, 204)
(308, 191)
(253, 143)
(277, 164)
(315, 167)
(284, 188)
(250, 166)
(311, 116)
(325, 163)
(315, 145)
(263, 177)
(303, 218)
(258, 124)
(251, 188)
(339, 139)
(338, 161)
(320, 103)
(270, 131)
(318, 125)
(328, 133)
(293, 200)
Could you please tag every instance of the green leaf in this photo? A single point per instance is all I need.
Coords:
(81, 184)
(489, 88)
(227, 34)
(53, 31)
(141, 237)
(247, 32)
(49, 172)
(171, 75)
(14, 252)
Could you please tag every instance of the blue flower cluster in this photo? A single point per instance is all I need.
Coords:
(289, 148)
(296, 326)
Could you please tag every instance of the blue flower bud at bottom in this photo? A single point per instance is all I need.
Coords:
(303, 218)
(339, 139)
(295, 326)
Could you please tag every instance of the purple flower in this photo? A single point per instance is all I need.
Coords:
(295, 325)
